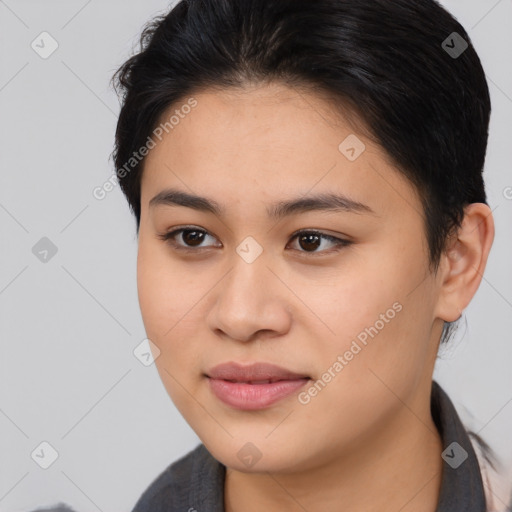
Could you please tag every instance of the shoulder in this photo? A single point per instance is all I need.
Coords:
(482, 480)
(194, 474)
(497, 485)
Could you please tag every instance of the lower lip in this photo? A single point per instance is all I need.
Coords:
(250, 397)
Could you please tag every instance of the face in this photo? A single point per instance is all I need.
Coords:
(340, 293)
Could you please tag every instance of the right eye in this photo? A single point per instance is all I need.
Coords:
(191, 238)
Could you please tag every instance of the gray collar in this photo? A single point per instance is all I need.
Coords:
(462, 488)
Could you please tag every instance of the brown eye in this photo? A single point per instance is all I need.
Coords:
(310, 241)
(185, 239)
(192, 237)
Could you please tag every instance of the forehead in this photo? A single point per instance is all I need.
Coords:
(271, 141)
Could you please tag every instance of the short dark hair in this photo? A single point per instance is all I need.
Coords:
(420, 92)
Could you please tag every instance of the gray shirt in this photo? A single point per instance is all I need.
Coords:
(195, 482)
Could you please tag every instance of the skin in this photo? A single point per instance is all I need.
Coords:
(367, 440)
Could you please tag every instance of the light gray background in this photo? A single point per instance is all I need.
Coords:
(69, 326)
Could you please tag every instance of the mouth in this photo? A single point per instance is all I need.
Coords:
(253, 387)
(256, 382)
(256, 373)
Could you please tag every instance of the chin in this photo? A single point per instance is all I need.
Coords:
(254, 456)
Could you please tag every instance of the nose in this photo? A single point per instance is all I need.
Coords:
(251, 302)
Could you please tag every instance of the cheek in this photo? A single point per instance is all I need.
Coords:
(169, 300)
(353, 297)
(165, 292)
(376, 316)
(163, 306)
(153, 292)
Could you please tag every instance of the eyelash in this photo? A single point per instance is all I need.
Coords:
(340, 243)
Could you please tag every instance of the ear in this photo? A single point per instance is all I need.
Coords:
(464, 260)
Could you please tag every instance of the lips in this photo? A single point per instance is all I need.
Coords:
(255, 386)
(256, 373)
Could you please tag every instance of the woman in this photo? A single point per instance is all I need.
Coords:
(306, 179)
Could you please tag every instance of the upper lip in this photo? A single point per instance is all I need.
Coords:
(252, 372)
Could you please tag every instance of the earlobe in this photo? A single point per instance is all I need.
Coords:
(464, 261)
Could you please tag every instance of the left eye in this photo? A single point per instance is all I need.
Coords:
(192, 238)
(313, 240)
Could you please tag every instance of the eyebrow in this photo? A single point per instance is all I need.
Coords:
(319, 202)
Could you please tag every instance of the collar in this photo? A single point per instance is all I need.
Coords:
(462, 486)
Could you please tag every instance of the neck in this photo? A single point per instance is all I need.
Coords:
(400, 468)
